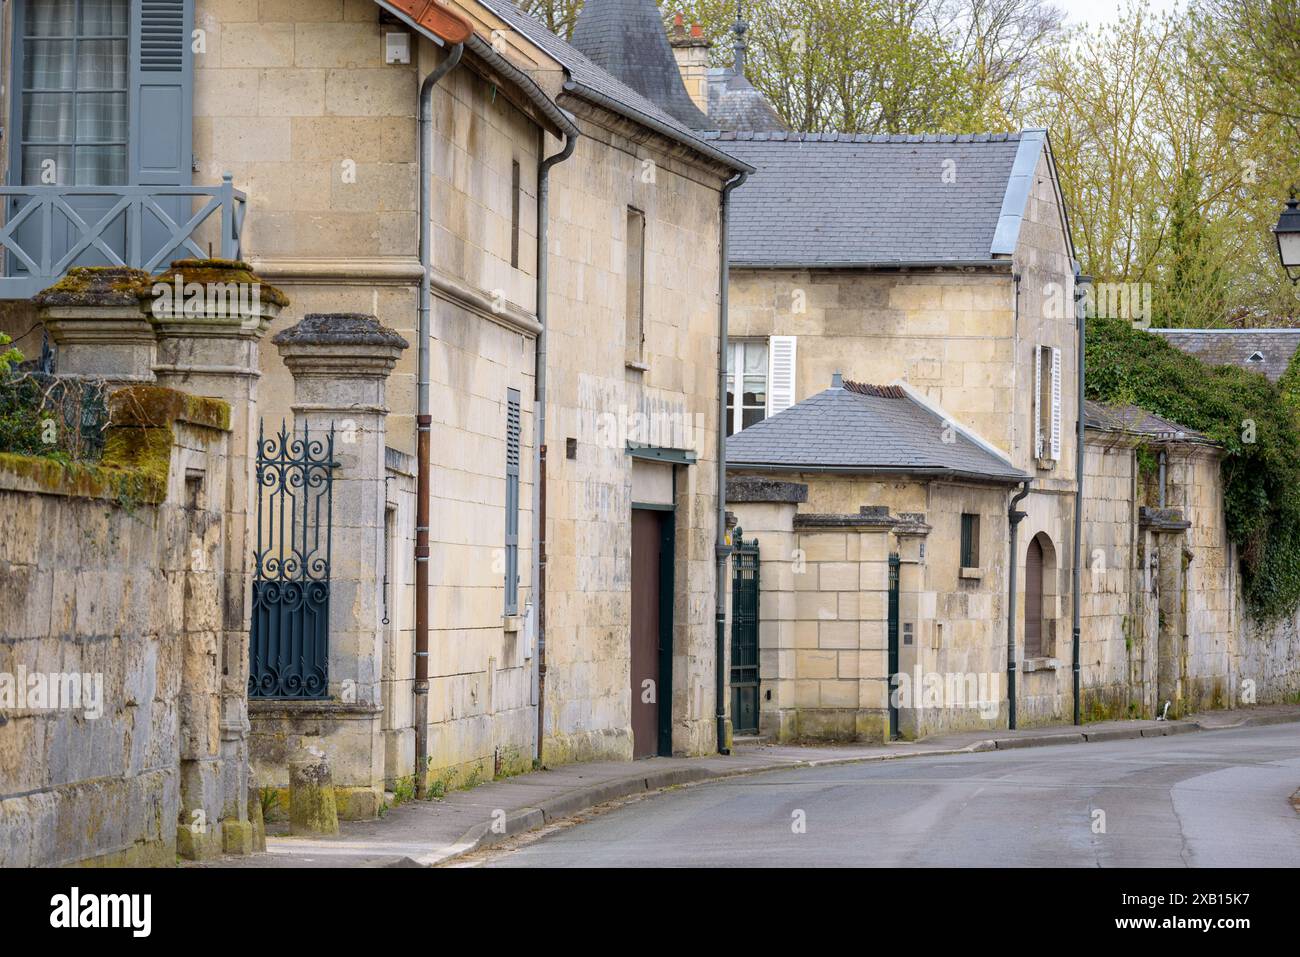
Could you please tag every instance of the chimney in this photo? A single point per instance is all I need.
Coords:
(691, 50)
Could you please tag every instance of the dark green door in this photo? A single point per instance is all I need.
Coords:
(744, 636)
(893, 647)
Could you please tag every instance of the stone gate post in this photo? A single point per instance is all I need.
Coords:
(209, 316)
(340, 364)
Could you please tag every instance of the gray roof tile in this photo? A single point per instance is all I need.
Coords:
(841, 199)
(865, 428)
(1135, 420)
(588, 76)
(627, 39)
(1236, 347)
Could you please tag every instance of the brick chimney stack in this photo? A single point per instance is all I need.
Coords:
(691, 50)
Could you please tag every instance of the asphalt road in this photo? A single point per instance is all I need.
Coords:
(1210, 799)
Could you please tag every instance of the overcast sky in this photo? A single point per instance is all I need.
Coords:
(1105, 11)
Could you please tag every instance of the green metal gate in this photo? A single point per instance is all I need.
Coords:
(289, 633)
(744, 635)
(893, 647)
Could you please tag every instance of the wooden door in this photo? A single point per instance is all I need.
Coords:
(647, 621)
(1034, 600)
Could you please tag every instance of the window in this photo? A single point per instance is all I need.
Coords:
(514, 214)
(761, 372)
(746, 377)
(512, 502)
(75, 68)
(970, 541)
(1047, 403)
(635, 283)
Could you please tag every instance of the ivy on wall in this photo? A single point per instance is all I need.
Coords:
(1254, 420)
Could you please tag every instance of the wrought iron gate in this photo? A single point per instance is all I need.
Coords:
(744, 635)
(893, 647)
(289, 639)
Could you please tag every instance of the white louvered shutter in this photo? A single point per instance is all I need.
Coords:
(780, 373)
(1038, 402)
(1056, 405)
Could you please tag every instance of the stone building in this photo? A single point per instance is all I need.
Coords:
(290, 136)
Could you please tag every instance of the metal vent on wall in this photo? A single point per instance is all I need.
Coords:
(1256, 357)
(162, 36)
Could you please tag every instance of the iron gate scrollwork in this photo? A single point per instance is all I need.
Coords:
(289, 635)
(744, 635)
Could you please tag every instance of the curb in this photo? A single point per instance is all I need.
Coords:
(483, 836)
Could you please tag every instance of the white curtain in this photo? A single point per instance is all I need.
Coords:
(74, 92)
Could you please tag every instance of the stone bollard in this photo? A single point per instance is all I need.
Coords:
(95, 320)
(311, 795)
(255, 819)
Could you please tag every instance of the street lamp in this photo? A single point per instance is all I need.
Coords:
(1287, 232)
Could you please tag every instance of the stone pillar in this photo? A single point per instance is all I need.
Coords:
(1169, 531)
(209, 316)
(340, 364)
(916, 612)
(96, 322)
(765, 509)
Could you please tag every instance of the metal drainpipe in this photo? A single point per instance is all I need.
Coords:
(1015, 518)
(424, 424)
(1076, 642)
(539, 426)
(722, 549)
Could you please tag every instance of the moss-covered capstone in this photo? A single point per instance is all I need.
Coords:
(97, 286)
(228, 271)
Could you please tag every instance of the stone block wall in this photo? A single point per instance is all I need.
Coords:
(596, 399)
(111, 576)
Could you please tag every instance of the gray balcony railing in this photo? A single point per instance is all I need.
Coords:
(49, 229)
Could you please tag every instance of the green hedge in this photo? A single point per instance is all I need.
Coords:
(1254, 420)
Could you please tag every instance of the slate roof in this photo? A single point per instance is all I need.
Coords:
(589, 81)
(734, 104)
(835, 199)
(863, 428)
(1137, 421)
(627, 39)
(1235, 347)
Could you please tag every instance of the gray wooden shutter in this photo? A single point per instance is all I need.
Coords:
(162, 113)
(512, 501)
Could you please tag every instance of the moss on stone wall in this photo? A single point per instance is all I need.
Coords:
(136, 463)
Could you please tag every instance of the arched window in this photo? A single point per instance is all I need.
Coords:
(1040, 598)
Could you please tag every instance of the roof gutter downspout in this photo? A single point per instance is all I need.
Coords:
(1080, 282)
(1015, 517)
(721, 549)
(424, 424)
(539, 425)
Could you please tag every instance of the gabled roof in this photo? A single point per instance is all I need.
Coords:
(1266, 351)
(590, 82)
(853, 427)
(627, 39)
(856, 200)
(1136, 421)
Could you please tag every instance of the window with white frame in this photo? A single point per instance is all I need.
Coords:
(760, 379)
(1047, 403)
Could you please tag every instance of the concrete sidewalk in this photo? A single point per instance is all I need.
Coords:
(428, 833)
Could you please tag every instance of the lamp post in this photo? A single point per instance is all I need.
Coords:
(1287, 232)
